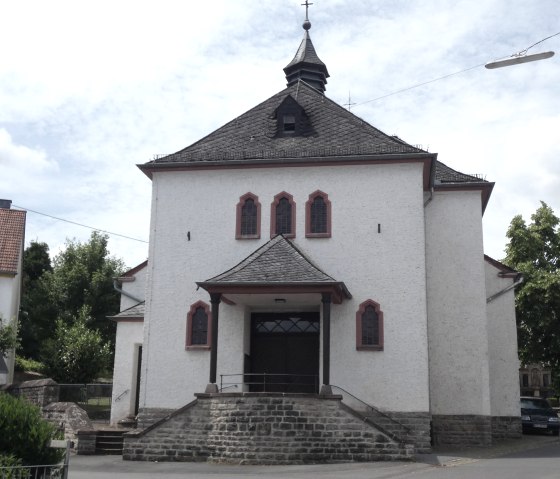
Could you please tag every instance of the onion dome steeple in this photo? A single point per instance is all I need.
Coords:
(306, 65)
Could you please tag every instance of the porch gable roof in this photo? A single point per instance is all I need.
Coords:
(277, 266)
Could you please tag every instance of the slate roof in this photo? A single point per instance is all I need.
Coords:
(306, 54)
(12, 232)
(277, 262)
(337, 132)
(445, 174)
(136, 311)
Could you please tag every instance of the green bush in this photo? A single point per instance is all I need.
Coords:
(553, 402)
(29, 365)
(24, 434)
(12, 461)
(77, 354)
(9, 460)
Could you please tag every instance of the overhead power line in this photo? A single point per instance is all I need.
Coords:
(79, 224)
(522, 52)
(419, 84)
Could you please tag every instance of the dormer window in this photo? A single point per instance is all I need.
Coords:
(289, 124)
(291, 119)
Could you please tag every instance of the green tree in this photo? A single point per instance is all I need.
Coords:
(37, 311)
(83, 275)
(534, 250)
(77, 353)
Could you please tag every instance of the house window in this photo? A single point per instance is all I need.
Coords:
(248, 223)
(318, 216)
(545, 380)
(525, 380)
(199, 326)
(283, 216)
(369, 327)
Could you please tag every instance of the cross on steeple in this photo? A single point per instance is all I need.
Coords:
(306, 5)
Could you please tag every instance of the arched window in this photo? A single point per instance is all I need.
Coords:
(248, 223)
(369, 327)
(283, 216)
(318, 216)
(199, 326)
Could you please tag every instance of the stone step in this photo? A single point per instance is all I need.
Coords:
(109, 442)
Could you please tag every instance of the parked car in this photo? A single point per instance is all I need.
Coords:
(537, 415)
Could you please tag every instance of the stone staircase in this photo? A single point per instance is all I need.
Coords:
(109, 441)
(264, 428)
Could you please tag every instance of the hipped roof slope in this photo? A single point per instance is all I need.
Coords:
(337, 132)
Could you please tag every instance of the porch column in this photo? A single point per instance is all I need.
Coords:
(215, 299)
(326, 300)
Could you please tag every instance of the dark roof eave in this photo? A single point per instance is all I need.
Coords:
(148, 168)
(287, 287)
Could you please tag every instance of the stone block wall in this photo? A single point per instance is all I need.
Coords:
(148, 416)
(506, 427)
(39, 392)
(68, 417)
(245, 428)
(461, 430)
(418, 425)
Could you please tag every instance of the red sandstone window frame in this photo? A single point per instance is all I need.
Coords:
(239, 209)
(188, 343)
(308, 205)
(359, 314)
(274, 205)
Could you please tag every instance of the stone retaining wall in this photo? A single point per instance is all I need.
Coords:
(506, 427)
(461, 430)
(261, 428)
(418, 424)
(39, 392)
(148, 416)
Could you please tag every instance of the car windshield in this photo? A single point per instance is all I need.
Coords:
(530, 403)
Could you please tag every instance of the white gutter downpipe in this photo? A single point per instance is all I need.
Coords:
(516, 283)
(123, 292)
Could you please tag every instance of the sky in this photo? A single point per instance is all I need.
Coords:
(88, 90)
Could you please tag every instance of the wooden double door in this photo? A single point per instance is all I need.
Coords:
(284, 353)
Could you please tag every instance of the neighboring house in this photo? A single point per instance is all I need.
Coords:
(12, 239)
(301, 246)
(536, 380)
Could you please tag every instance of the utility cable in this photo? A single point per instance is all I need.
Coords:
(79, 224)
(522, 52)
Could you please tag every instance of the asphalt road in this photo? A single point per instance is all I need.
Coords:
(533, 458)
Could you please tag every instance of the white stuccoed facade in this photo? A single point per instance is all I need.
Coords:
(367, 261)
(129, 339)
(457, 326)
(502, 333)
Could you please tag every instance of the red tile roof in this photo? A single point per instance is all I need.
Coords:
(12, 230)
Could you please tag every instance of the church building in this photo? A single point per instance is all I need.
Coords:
(302, 260)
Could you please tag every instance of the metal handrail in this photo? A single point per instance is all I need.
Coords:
(226, 384)
(377, 411)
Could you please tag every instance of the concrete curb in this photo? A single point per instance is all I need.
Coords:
(447, 457)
